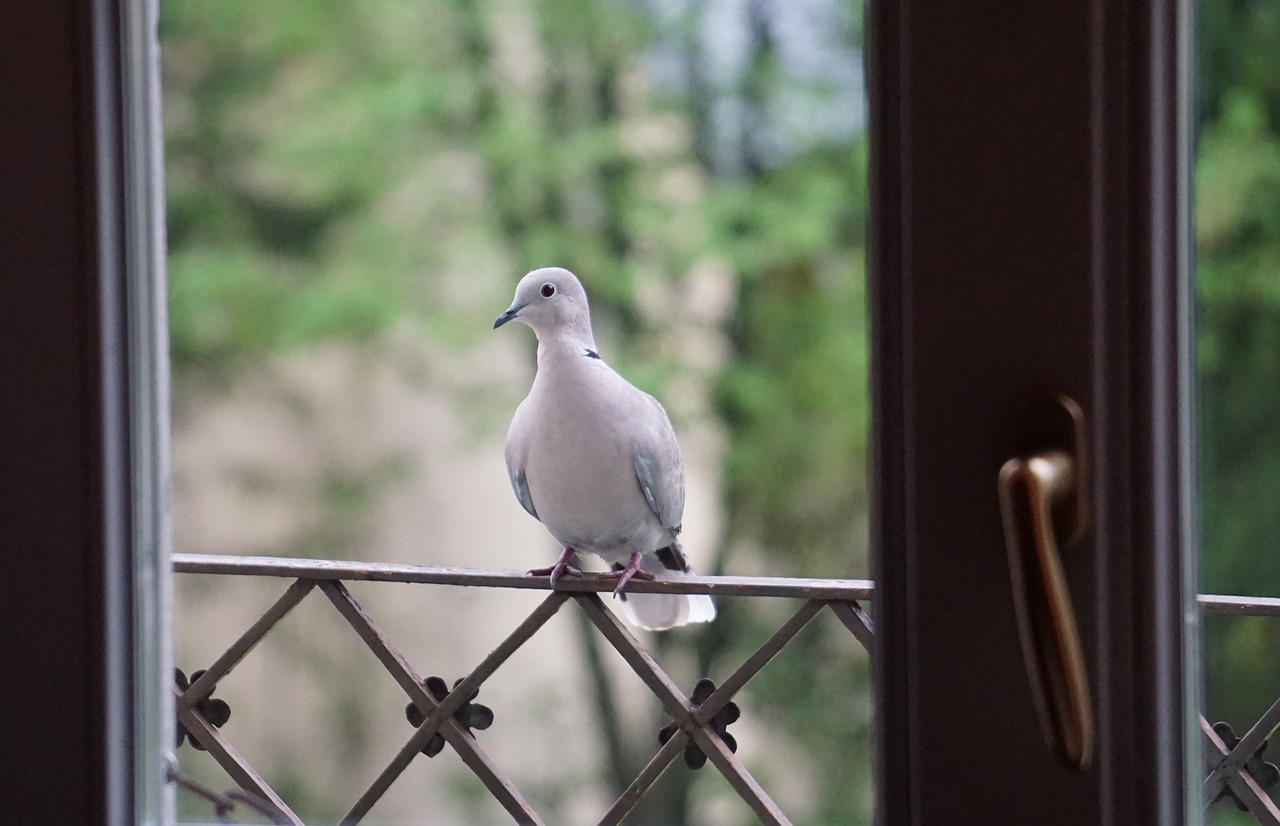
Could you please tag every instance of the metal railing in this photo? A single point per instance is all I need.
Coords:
(1235, 769)
(699, 718)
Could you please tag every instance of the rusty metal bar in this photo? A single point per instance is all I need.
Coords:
(222, 804)
(856, 620)
(440, 718)
(222, 666)
(225, 802)
(472, 755)
(1238, 606)
(1242, 783)
(682, 710)
(1238, 756)
(647, 777)
(820, 589)
(724, 693)
(744, 586)
(640, 660)
(408, 677)
(739, 778)
(231, 761)
(458, 695)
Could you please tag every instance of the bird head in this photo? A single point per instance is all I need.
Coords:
(551, 301)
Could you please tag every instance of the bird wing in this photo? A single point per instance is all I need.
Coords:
(658, 466)
(513, 453)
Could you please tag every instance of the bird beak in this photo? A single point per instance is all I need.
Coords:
(512, 312)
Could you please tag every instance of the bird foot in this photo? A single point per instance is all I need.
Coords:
(626, 573)
(564, 565)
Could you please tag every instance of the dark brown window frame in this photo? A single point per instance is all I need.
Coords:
(1099, 179)
(1030, 208)
(82, 348)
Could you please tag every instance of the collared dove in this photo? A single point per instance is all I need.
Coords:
(594, 459)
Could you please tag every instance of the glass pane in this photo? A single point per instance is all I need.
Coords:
(354, 190)
(1238, 280)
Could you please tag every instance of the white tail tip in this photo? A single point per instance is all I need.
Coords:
(658, 612)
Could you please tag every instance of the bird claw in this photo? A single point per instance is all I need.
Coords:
(563, 570)
(564, 566)
(628, 573)
(556, 571)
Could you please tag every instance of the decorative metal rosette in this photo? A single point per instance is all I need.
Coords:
(1265, 774)
(694, 757)
(470, 715)
(216, 712)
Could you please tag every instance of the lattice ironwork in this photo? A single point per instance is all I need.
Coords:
(698, 721)
(1236, 770)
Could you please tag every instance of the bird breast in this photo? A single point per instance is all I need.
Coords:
(580, 472)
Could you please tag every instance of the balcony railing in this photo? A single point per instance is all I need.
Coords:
(1235, 769)
(698, 717)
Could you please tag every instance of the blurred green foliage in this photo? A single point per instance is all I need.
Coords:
(795, 395)
(1238, 286)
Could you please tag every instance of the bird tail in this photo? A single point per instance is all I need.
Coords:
(658, 612)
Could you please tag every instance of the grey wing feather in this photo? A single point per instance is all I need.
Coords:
(520, 485)
(648, 478)
(661, 476)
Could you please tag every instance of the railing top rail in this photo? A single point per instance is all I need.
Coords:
(1239, 605)
(747, 586)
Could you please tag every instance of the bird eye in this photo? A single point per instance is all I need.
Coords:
(548, 290)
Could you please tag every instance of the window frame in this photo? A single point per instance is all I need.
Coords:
(83, 350)
(86, 471)
(1052, 240)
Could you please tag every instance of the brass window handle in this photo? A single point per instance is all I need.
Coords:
(1041, 503)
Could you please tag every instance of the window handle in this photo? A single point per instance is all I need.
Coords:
(1043, 506)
